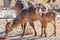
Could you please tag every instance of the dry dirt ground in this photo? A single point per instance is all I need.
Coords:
(16, 33)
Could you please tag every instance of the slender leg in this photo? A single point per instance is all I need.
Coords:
(24, 30)
(54, 24)
(41, 30)
(22, 26)
(45, 25)
(32, 24)
(54, 29)
(45, 31)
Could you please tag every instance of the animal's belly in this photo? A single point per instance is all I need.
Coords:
(29, 20)
(24, 21)
(46, 19)
(49, 19)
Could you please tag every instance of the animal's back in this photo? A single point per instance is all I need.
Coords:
(26, 15)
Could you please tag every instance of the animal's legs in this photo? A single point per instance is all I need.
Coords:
(54, 24)
(45, 29)
(22, 26)
(23, 30)
(41, 30)
(32, 24)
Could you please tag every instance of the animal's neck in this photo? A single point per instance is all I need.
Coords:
(25, 3)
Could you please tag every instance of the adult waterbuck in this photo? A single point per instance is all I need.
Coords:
(47, 16)
(26, 15)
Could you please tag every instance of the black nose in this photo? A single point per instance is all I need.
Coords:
(2, 38)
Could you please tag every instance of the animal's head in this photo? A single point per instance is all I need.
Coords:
(9, 27)
(38, 7)
(41, 8)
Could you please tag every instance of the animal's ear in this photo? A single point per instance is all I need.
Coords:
(8, 23)
(11, 22)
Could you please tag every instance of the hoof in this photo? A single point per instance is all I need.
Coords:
(54, 34)
(41, 35)
(35, 34)
(22, 35)
(45, 35)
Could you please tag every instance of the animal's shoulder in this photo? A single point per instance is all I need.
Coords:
(24, 10)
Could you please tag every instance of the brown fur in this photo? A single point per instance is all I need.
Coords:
(45, 19)
(29, 15)
(26, 15)
(18, 6)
